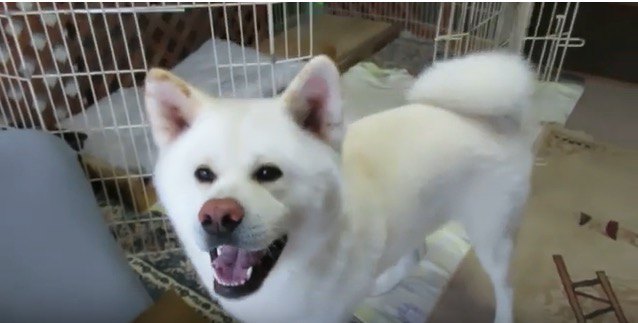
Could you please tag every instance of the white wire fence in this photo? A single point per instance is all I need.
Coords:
(76, 70)
(542, 31)
(550, 36)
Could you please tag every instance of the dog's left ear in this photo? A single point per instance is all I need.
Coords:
(313, 99)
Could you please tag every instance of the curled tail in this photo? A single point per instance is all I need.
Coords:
(491, 84)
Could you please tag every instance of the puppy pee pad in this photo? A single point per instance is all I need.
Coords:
(116, 125)
(414, 298)
(368, 89)
(553, 102)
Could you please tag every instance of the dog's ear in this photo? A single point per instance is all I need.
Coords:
(313, 99)
(171, 105)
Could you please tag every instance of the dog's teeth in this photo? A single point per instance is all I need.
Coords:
(248, 273)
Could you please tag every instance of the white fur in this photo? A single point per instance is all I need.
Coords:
(354, 225)
(487, 84)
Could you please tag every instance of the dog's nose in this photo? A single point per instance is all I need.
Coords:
(220, 215)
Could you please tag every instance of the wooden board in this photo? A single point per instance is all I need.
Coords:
(170, 308)
(347, 40)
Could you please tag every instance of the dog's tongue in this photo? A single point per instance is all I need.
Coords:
(232, 264)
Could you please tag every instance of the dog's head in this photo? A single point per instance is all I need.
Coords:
(239, 178)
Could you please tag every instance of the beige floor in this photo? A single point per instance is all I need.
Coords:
(608, 110)
(577, 175)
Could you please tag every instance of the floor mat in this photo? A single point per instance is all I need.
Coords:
(171, 271)
(147, 232)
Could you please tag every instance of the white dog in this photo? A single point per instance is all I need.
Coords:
(289, 218)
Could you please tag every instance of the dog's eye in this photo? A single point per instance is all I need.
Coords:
(267, 173)
(205, 175)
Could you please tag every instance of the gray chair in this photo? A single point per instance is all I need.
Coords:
(58, 261)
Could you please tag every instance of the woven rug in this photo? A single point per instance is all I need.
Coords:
(583, 207)
(172, 271)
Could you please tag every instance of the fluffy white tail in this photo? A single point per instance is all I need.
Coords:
(483, 84)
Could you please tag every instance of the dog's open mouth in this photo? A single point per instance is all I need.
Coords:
(239, 272)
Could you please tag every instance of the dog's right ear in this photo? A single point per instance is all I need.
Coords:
(171, 105)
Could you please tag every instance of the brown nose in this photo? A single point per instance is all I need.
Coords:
(220, 215)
